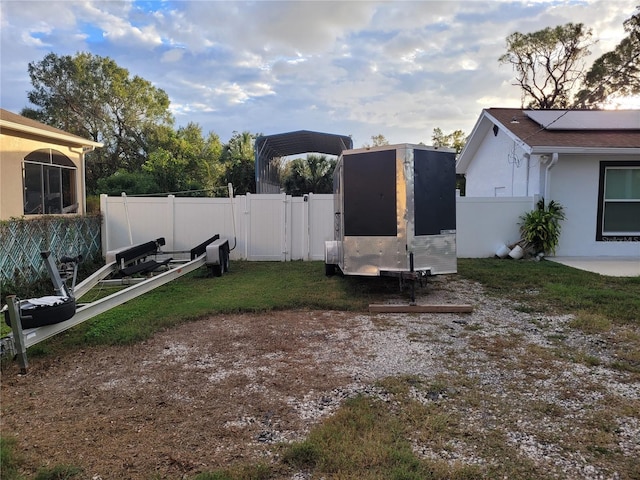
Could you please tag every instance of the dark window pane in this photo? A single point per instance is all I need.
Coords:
(622, 217)
(47, 155)
(59, 158)
(622, 183)
(52, 190)
(41, 156)
(69, 204)
(32, 189)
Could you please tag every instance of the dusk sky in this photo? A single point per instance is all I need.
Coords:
(359, 68)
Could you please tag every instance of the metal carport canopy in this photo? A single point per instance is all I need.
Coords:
(280, 145)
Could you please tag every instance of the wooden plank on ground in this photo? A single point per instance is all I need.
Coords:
(442, 308)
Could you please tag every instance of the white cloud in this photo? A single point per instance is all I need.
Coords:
(117, 26)
(356, 67)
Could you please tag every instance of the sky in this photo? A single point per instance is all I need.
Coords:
(359, 68)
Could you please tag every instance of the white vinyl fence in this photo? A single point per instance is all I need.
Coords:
(278, 227)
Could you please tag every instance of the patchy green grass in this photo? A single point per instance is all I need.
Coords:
(403, 436)
(10, 459)
(558, 288)
(248, 287)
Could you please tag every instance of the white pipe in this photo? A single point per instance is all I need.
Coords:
(233, 216)
(126, 212)
(547, 176)
(527, 156)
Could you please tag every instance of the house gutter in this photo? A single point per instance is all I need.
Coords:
(547, 175)
(41, 132)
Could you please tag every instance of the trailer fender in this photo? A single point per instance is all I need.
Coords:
(217, 256)
(331, 252)
(330, 257)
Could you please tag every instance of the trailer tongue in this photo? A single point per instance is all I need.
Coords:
(35, 320)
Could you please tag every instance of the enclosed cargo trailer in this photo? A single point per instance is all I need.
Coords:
(394, 212)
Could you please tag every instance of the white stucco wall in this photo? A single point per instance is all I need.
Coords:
(500, 169)
(574, 184)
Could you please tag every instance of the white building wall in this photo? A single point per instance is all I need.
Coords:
(497, 171)
(574, 184)
(500, 169)
(484, 224)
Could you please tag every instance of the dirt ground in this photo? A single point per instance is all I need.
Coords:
(225, 389)
(197, 397)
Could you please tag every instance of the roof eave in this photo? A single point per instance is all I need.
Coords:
(473, 143)
(481, 128)
(67, 138)
(546, 149)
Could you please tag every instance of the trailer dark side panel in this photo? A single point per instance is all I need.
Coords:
(434, 192)
(370, 194)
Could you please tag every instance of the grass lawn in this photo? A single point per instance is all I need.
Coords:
(366, 438)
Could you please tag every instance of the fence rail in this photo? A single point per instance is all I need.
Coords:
(279, 227)
(274, 227)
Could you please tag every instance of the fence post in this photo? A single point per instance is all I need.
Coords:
(308, 211)
(104, 231)
(286, 229)
(247, 223)
(171, 224)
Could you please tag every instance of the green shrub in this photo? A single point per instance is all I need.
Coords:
(540, 228)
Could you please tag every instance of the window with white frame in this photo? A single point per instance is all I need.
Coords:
(619, 201)
(49, 179)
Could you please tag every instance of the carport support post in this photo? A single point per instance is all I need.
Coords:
(18, 338)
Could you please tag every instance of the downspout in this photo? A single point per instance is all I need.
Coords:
(547, 179)
(83, 184)
(527, 156)
(83, 178)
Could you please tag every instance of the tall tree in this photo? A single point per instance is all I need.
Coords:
(377, 141)
(184, 162)
(456, 140)
(91, 96)
(313, 174)
(239, 162)
(548, 63)
(131, 183)
(615, 74)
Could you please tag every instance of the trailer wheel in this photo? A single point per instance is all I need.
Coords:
(218, 269)
(329, 269)
(225, 260)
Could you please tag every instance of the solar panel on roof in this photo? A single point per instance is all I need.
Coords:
(586, 119)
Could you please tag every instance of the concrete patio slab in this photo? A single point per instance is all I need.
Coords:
(610, 266)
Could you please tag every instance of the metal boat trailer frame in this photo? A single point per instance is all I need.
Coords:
(16, 343)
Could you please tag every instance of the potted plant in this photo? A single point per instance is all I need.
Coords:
(540, 228)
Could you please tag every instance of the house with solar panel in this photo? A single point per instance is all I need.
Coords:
(588, 161)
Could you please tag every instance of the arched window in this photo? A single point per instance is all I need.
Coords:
(49, 183)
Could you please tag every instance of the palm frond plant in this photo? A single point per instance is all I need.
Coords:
(540, 228)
